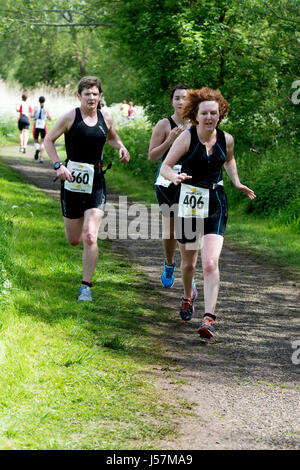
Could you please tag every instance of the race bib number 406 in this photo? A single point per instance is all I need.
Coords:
(82, 177)
(193, 202)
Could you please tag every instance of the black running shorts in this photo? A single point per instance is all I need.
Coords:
(23, 122)
(75, 204)
(166, 198)
(39, 132)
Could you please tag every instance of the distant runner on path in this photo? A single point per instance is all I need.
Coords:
(40, 114)
(23, 122)
(202, 204)
(83, 191)
(164, 134)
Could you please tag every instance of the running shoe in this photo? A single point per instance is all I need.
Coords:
(187, 310)
(85, 294)
(167, 277)
(36, 155)
(207, 328)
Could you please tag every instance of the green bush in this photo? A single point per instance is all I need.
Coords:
(274, 176)
(8, 130)
(136, 138)
(5, 240)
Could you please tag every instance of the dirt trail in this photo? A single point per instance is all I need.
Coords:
(244, 386)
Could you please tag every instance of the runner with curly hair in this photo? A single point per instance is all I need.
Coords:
(202, 151)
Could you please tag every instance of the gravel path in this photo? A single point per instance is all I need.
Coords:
(242, 389)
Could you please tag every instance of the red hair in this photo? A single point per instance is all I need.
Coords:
(195, 97)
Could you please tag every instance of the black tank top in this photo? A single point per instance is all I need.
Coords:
(85, 143)
(199, 165)
(172, 124)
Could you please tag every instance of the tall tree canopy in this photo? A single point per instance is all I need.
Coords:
(141, 48)
(248, 49)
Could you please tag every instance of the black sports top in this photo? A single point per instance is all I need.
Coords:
(172, 124)
(199, 165)
(85, 143)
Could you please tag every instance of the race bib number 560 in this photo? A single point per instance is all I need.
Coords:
(82, 177)
(193, 202)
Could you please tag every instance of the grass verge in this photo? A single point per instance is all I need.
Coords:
(73, 376)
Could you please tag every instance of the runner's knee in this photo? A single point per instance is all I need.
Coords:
(210, 265)
(89, 238)
(74, 241)
(188, 265)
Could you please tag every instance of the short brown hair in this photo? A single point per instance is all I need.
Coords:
(89, 82)
(195, 97)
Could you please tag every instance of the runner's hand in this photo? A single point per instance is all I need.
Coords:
(124, 155)
(244, 189)
(179, 178)
(64, 174)
(175, 132)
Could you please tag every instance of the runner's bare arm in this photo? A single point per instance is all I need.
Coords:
(162, 138)
(178, 149)
(114, 140)
(63, 125)
(231, 168)
(48, 115)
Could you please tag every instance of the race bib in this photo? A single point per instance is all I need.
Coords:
(193, 202)
(82, 177)
(40, 123)
(161, 181)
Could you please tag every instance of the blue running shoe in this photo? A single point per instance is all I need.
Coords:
(167, 277)
(195, 291)
(85, 294)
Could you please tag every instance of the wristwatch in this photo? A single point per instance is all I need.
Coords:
(57, 165)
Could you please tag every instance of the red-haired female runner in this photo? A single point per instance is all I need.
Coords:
(202, 151)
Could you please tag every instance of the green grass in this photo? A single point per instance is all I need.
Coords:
(73, 376)
(279, 244)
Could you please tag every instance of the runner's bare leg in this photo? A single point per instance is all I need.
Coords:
(91, 225)
(210, 254)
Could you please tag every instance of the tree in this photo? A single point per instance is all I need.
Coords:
(58, 43)
(232, 45)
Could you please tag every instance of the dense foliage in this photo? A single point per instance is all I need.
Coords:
(247, 49)
(34, 50)
(141, 48)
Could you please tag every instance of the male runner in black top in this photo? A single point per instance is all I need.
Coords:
(83, 193)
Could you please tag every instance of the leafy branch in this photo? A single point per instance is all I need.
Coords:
(66, 14)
